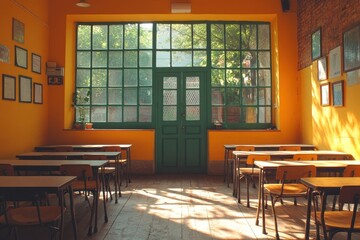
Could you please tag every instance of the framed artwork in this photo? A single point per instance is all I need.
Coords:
(55, 80)
(8, 87)
(25, 89)
(353, 77)
(35, 63)
(338, 93)
(325, 94)
(351, 41)
(322, 68)
(316, 44)
(4, 54)
(18, 31)
(335, 62)
(38, 93)
(21, 55)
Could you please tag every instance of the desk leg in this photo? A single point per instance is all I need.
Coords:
(61, 204)
(308, 214)
(103, 191)
(116, 179)
(72, 209)
(225, 165)
(128, 164)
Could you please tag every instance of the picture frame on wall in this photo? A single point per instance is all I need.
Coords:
(322, 69)
(36, 63)
(335, 62)
(338, 93)
(316, 44)
(55, 80)
(38, 93)
(351, 46)
(8, 87)
(25, 89)
(325, 94)
(21, 56)
(18, 31)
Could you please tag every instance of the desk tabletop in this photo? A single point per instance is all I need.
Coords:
(81, 146)
(291, 153)
(271, 146)
(323, 183)
(267, 165)
(71, 154)
(52, 163)
(38, 182)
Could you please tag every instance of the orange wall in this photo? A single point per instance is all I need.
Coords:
(331, 128)
(24, 125)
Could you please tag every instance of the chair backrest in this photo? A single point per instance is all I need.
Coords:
(94, 157)
(305, 157)
(291, 173)
(64, 149)
(352, 171)
(81, 171)
(245, 148)
(6, 170)
(349, 194)
(289, 148)
(255, 157)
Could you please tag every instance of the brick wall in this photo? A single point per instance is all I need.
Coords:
(333, 16)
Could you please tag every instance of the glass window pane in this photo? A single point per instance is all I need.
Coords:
(200, 36)
(192, 97)
(114, 114)
(249, 115)
(100, 34)
(98, 96)
(115, 78)
(83, 37)
(115, 95)
(130, 59)
(163, 36)
(249, 77)
(192, 113)
(116, 37)
(146, 35)
(217, 114)
(181, 36)
(145, 114)
(181, 58)
(98, 114)
(145, 97)
(192, 82)
(82, 111)
(233, 59)
(217, 77)
(233, 78)
(163, 59)
(115, 59)
(169, 97)
(248, 36)
(83, 59)
(249, 96)
(130, 114)
(264, 59)
(82, 78)
(217, 36)
(169, 113)
(145, 77)
(99, 59)
(131, 36)
(99, 77)
(233, 96)
(232, 36)
(130, 96)
(170, 82)
(145, 58)
(264, 77)
(264, 36)
(233, 114)
(130, 77)
(200, 59)
(217, 96)
(249, 59)
(218, 59)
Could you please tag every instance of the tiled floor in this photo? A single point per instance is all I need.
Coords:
(183, 207)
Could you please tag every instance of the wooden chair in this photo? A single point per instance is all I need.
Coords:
(232, 165)
(288, 186)
(351, 171)
(289, 148)
(249, 173)
(341, 220)
(123, 165)
(299, 157)
(86, 182)
(6, 170)
(107, 172)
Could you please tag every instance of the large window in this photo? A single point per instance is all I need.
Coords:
(115, 65)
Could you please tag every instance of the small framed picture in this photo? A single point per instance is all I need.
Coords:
(21, 56)
(335, 62)
(316, 44)
(322, 69)
(351, 46)
(8, 87)
(25, 89)
(325, 94)
(38, 93)
(18, 31)
(36, 63)
(55, 80)
(338, 93)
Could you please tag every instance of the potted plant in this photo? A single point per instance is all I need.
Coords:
(80, 102)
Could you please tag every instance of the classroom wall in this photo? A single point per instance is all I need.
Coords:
(330, 127)
(23, 125)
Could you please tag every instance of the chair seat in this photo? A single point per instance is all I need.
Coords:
(29, 215)
(79, 185)
(250, 171)
(340, 219)
(107, 170)
(120, 161)
(289, 189)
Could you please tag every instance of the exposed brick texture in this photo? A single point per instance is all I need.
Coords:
(333, 16)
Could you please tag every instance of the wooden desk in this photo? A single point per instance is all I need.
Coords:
(42, 184)
(77, 155)
(92, 148)
(51, 165)
(326, 185)
(266, 166)
(258, 147)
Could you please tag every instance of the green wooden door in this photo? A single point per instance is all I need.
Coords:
(181, 126)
